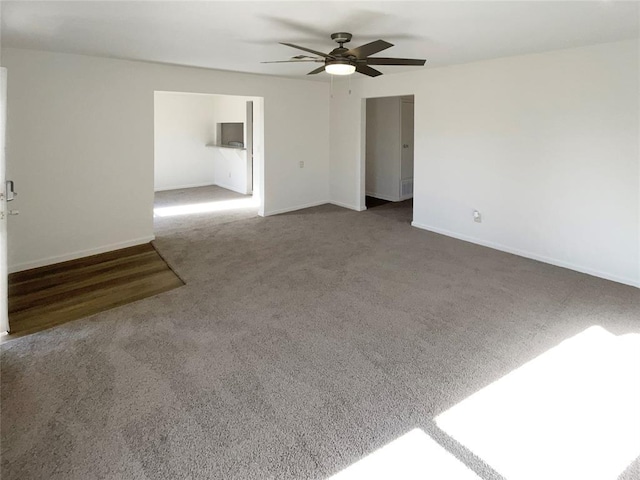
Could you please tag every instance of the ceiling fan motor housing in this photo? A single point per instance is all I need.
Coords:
(340, 56)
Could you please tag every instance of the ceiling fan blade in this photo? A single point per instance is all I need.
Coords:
(297, 60)
(394, 61)
(371, 72)
(369, 49)
(315, 52)
(317, 70)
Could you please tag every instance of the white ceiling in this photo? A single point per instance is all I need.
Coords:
(239, 35)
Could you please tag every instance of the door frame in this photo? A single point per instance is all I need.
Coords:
(4, 279)
(363, 144)
(256, 163)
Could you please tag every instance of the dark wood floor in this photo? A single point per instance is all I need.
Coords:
(44, 297)
(372, 202)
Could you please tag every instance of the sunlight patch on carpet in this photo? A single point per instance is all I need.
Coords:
(209, 207)
(572, 412)
(414, 455)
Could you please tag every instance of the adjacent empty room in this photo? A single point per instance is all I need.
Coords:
(204, 157)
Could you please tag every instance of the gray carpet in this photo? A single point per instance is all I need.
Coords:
(300, 344)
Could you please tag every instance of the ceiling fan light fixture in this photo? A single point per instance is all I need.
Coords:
(339, 68)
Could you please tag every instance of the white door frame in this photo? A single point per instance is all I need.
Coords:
(363, 145)
(256, 163)
(4, 284)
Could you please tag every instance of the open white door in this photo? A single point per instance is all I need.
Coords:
(249, 146)
(4, 290)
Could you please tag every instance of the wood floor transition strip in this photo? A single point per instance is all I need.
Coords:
(44, 297)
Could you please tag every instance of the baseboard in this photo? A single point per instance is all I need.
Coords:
(383, 197)
(180, 187)
(80, 254)
(531, 255)
(346, 205)
(229, 187)
(293, 209)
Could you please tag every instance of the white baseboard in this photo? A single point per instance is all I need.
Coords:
(531, 255)
(293, 209)
(180, 187)
(383, 197)
(79, 254)
(196, 185)
(346, 205)
(233, 189)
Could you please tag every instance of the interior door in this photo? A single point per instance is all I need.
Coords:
(406, 175)
(4, 316)
(249, 146)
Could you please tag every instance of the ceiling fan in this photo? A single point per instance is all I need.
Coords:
(344, 61)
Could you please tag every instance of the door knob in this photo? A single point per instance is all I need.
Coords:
(14, 212)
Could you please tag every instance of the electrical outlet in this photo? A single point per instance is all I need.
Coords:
(229, 174)
(301, 164)
(477, 216)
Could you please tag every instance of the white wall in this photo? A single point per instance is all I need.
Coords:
(544, 145)
(183, 125)
(80, 147)
(383, 167)
(231, 169)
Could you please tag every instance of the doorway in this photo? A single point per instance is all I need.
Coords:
(389, 154)
(208, 153)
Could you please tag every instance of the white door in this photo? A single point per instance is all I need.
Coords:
(406, 175)
(4, 316)
(249, 146)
